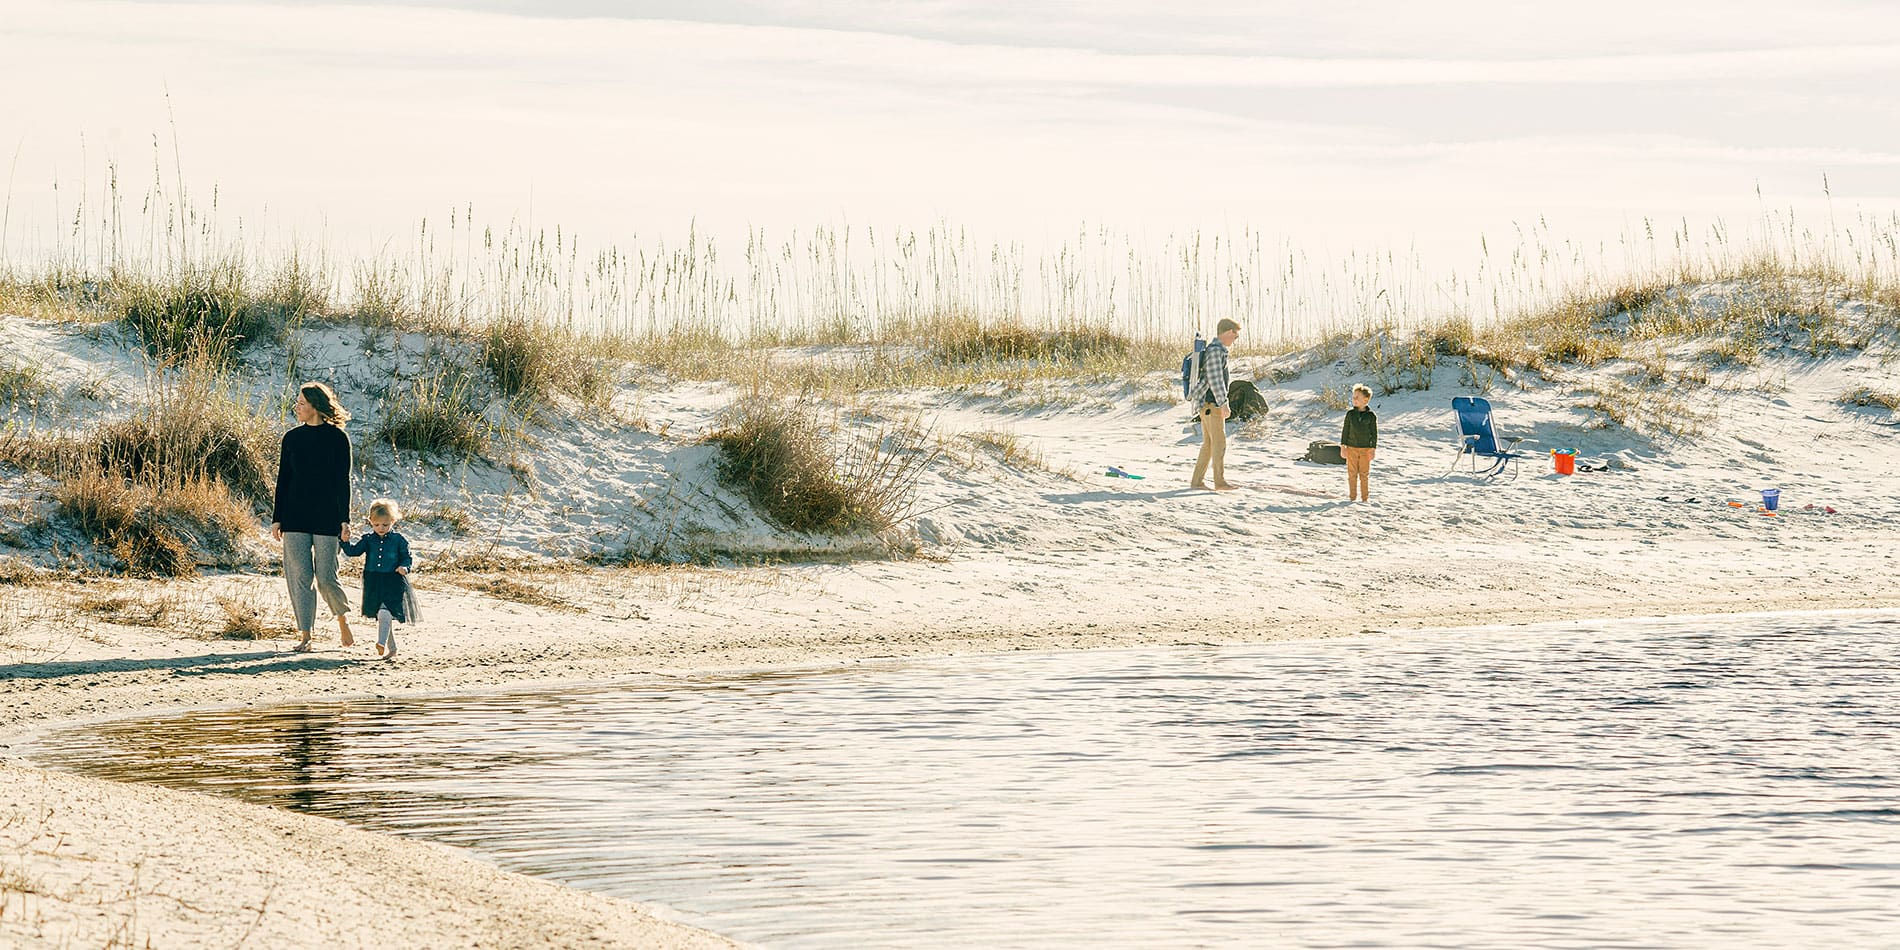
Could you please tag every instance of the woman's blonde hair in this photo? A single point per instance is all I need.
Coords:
(324, 401)
(387, 508)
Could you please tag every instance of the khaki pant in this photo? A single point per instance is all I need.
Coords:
(1358, 470)
(1213, 445)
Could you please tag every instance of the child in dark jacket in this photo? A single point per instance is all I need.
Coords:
(386, 594)
(1358, 440)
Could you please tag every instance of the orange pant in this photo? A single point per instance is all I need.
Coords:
(1358, 472)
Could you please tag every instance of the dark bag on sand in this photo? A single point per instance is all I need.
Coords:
(1325, 453)
(1244, 399)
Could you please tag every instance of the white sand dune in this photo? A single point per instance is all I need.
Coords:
(1054, 555)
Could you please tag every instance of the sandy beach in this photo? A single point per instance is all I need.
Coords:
(1036, 548)
(712, 350)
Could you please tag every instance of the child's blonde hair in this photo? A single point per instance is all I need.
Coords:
(1358, 388)
(386, 508)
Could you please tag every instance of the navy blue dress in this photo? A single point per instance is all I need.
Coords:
(383, 588)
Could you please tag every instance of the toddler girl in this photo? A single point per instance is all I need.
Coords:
(386, 594)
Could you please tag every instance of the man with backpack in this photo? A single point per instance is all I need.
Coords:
(1210, 401)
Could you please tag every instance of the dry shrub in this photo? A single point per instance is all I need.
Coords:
(1399, 361)
(380, 298)
(297, 290)
(202, 310)
(1568, 339)
(437, 414)
(1165, 394)
(156, 531)
(242, 620)
(24, 383)
(193, 429)
(1865, 396)
(128, 611)
(962, 342)
(688, 355)
(522, 357)
(531, 361)
(1650, 411)
(1009, 448)
(788, 461)
(456, 521)
(1633, 297)
(1740, 349)
(178, 483)
(520, 593)
(1335, 397)
(1652, 367)
(1453, 337)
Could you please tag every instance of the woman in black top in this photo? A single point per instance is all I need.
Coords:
(312, 509)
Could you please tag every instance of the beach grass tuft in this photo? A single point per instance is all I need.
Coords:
(1864, 396)
(179, 482)
(193, 428)
(439, 414)
(968, 341)
(520, 592)
(128, 611)
(153, 533)
(242, 620)
(1650, 410)
(24, 383)
(787, 457)
(212, 311)
(1009, 448)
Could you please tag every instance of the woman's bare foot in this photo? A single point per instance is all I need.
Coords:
(1223, 486)
(1198, 486)
(343, 631)
(303, 646)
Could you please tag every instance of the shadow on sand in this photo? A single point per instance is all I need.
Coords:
(1085, 497)
(245, 664)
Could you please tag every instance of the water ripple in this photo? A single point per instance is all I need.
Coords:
(1654, 784)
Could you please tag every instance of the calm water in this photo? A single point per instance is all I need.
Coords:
(1690, 783)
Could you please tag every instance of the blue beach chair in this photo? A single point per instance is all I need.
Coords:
(1479, 439)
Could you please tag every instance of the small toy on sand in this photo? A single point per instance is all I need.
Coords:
(1114, 472)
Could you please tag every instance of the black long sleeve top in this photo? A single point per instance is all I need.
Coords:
(1361, 430)
(313, 480)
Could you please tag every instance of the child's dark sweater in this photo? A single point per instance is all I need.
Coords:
(382, 586)
(1361, 430)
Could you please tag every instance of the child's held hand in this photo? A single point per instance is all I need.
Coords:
(402, 570)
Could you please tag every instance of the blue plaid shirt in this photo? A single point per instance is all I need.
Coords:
(386, 552)
(1214, 375)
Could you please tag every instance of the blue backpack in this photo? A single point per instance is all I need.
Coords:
(1191, 367)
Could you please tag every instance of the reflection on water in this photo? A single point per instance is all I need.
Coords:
(1659, 784)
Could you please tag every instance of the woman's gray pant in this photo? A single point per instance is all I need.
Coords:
(308, 558)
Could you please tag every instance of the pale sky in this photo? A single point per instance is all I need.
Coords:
(1344, 125)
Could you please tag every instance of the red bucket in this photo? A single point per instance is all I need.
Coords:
(1566, 462)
